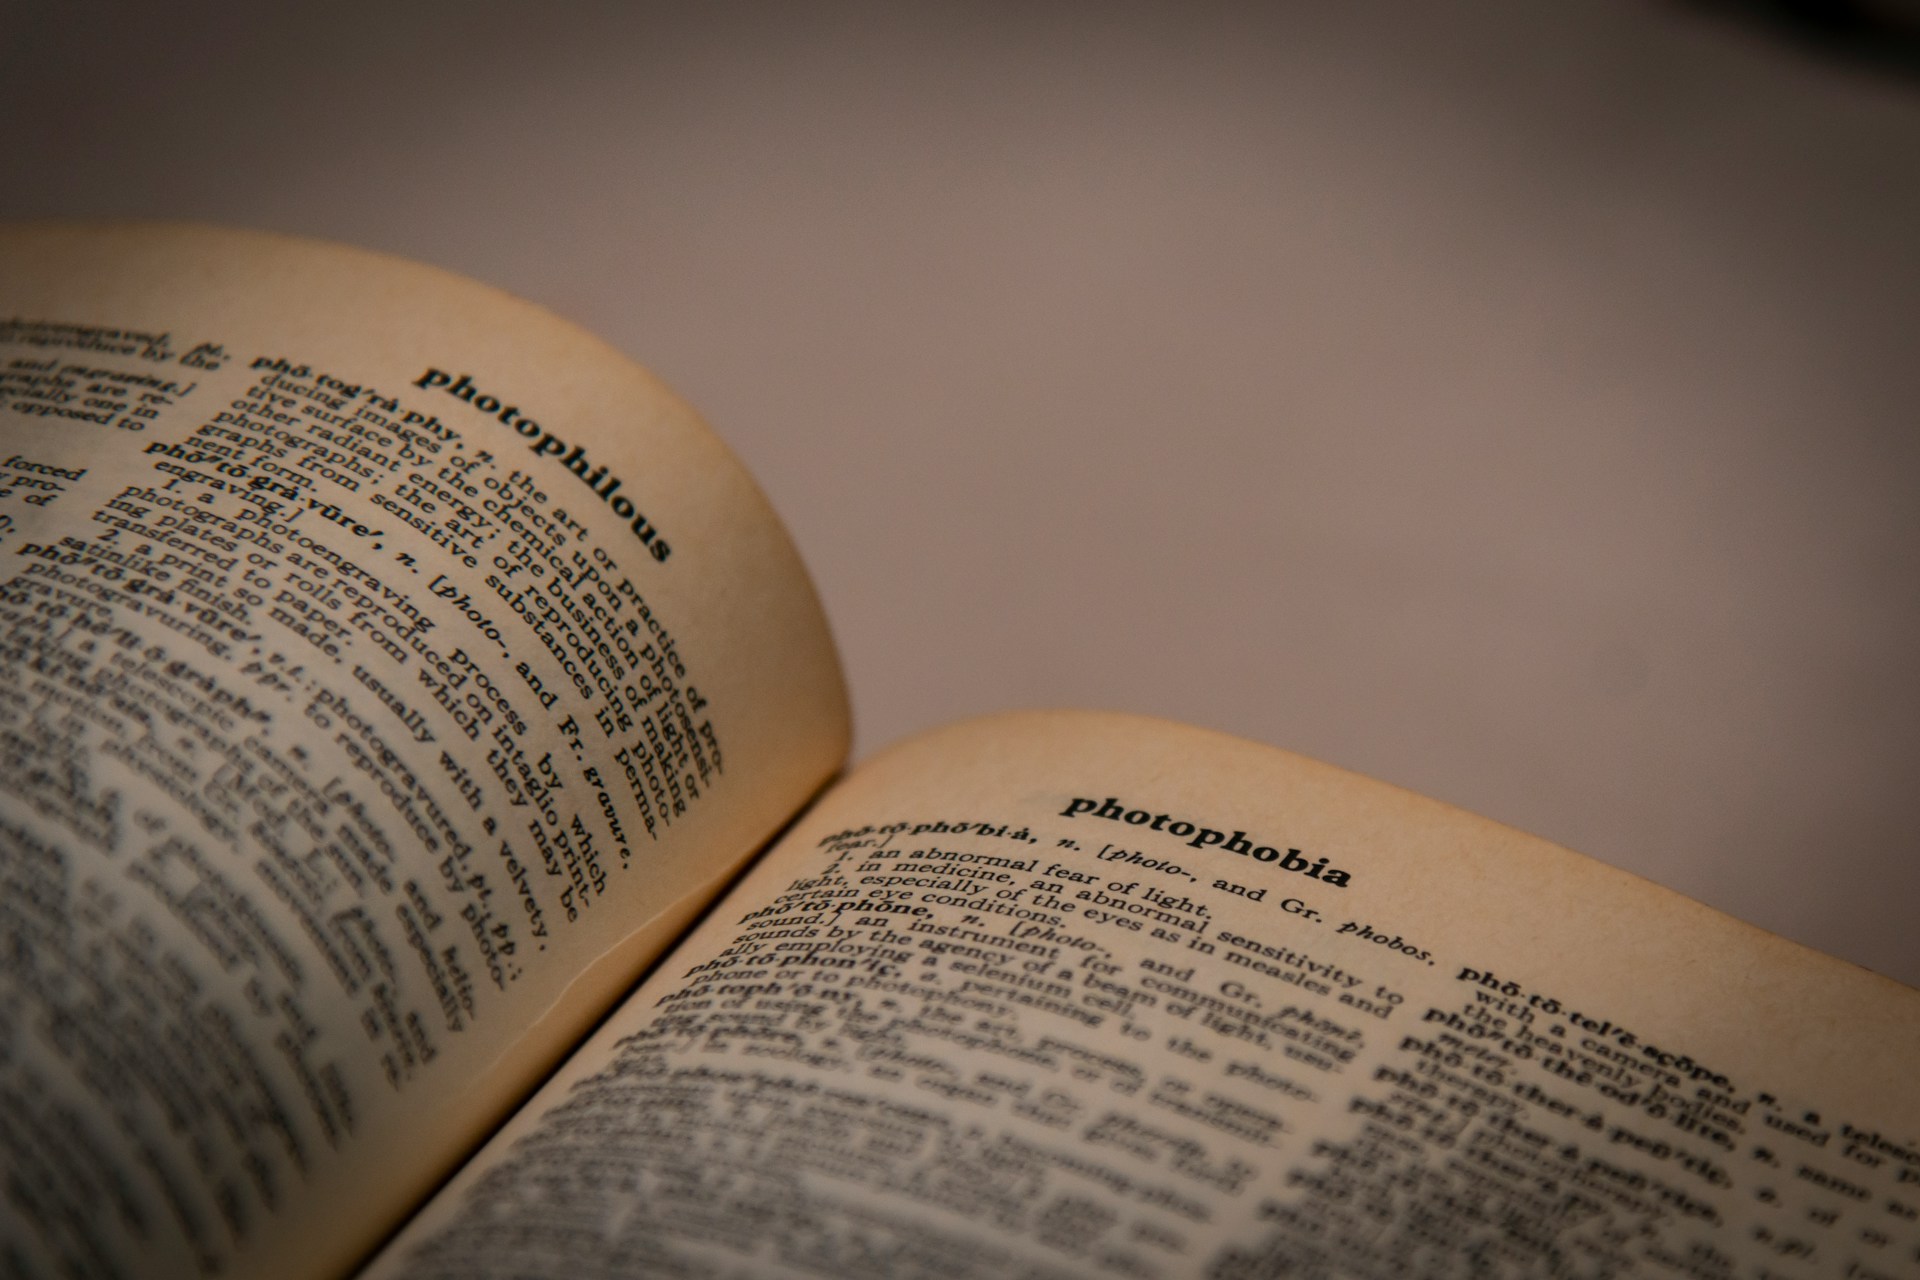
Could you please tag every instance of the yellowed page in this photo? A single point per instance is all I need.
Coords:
(1075, 995)
(390, 669)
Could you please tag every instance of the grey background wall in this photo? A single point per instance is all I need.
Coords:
(1512, 401)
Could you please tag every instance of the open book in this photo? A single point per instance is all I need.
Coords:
(393, 676)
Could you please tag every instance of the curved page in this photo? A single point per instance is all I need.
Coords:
(389, 670)
(1072, 995)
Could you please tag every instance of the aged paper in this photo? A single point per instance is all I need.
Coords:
(389, 671)
(1074, 995)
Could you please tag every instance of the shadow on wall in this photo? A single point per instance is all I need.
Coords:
(1877, 35)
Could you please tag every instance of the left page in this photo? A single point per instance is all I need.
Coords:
(389, 670)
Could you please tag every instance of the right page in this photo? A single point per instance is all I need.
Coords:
(1063, 994)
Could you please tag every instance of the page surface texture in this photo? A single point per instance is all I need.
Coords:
(389, 669)
(1073, 995)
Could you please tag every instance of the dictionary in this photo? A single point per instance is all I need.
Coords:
(426, 851)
